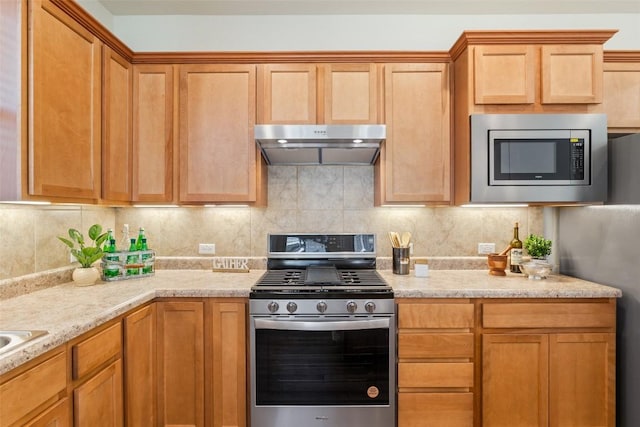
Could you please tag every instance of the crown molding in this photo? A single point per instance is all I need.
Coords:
(622, 56)
(506, 37)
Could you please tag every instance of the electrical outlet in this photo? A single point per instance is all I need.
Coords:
(72, 259)
(486, 248)
(207, 249)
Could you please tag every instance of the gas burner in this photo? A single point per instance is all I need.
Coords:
(307, 266)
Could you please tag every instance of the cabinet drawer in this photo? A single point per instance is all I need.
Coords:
(26, 392)
(418, 345)
(427, 316)
(435, 374)
(435, 409)
(97, 350)
(549, 315)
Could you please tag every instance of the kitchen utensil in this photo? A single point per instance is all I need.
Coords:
(497, 264)
(405, 239)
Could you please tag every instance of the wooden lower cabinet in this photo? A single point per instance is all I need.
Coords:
(98, 402)
(435, 409)
(435, 363)
(59, 415)
(560, 374)
(227, 356)
(180, 358)
(140, 377)
(29, 393)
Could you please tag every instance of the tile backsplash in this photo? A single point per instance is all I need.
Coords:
(330, 199)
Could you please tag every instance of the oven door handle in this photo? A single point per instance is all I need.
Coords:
(340, 325)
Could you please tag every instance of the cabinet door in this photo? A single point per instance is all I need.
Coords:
(287, 93)
(98, 402)
(571, 74)
(180, 341)
(582, 380)
(621, 98)
(435, 409)
(153, 142)
(228, 397)
(218, 160)
(140, 367)
(116, 127)
(59, 415)
(415, 160)
(515, 380)
(350, 93)
(64, 124)
(504, 74)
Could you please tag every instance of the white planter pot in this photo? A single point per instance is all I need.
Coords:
(85, 276)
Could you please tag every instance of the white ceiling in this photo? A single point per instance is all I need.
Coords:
(366, 7)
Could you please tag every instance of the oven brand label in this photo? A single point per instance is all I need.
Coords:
(373, 392)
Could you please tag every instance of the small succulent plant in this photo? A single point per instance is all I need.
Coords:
(537, 246)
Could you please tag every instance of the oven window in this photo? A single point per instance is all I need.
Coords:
(322, 367)
(532, 159)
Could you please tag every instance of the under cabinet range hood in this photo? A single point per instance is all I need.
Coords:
(320, 144)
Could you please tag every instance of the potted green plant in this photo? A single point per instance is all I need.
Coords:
(537, 246)
(86, 253)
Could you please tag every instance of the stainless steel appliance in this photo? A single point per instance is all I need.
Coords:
(320, 144)
(322, 335)
(538, 158)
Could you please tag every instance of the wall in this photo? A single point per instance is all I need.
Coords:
(341, 32)
(311, 198)
(600, 244)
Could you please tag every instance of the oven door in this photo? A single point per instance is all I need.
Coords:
(323, 361)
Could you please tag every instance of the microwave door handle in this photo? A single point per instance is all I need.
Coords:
(341, 325)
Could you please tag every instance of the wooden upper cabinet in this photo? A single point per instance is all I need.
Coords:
(116, 127)
(621, 98)
(415, 159)
(350, 93)
(153, 133)
(219, 161)
(318, 93)
(64, 124)
(514, 74)
(287, 93)
(571, 74)
(505, 74)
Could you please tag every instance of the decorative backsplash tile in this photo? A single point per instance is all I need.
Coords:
(330, 199)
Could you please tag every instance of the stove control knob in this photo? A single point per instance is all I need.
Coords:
(292, 307)
(321, 306)
(352, 306)
(273, 307)
(370, 306)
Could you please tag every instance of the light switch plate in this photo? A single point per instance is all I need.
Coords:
(207, 249)
(486, 248)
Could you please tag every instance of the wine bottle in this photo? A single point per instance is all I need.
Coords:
(516, 251)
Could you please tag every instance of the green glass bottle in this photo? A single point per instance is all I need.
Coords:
(139, 240)
(146, 256)
(133, 258)
(111, 268)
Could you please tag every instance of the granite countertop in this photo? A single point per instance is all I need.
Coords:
(67, 311)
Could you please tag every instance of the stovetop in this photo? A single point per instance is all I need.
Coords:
(305, 266)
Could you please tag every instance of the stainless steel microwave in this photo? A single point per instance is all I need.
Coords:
(538, 158)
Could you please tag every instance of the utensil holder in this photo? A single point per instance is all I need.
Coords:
(401, 260)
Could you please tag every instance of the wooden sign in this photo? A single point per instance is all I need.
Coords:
(230, 265)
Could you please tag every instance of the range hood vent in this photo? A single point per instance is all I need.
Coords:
(320, 144)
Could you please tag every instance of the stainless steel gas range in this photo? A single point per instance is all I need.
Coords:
(322, 343)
